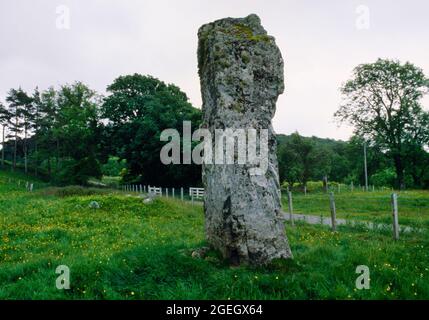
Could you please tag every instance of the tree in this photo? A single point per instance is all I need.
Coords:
(17, 99)
(26, 113)
(382, 102)
(138, 109)
(36, 126)
(289, 164)
(76, 134)
(46, 121)
(21, 109)
(300, 159)
(5, 117)
(113, 167)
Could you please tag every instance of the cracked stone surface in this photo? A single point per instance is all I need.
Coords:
(241, 75)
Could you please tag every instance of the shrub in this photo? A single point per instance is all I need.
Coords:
(384, 178)
(74, 191)
(113, 167)
(74, 172)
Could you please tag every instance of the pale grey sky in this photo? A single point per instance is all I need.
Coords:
(320, 42)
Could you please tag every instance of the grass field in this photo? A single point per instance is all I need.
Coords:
(130, 250)
(368, 206)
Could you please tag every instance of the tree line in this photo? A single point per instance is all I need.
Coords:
(70, 134)
(65, 135)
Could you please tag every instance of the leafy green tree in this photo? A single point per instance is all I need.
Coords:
(289, 165)
(416, 144)
(76, 133)
(300, 159)
(382, 102)
(377, 159)
(66, 128)
(138, 109)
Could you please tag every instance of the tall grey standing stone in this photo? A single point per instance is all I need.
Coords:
(241, 75)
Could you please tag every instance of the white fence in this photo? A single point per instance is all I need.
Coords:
(197, 193)
(193, 194)
(154, 191)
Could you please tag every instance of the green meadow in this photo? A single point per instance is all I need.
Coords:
(413, 206)
(130, 250)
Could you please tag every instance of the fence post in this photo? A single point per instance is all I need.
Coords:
(395, 216)
(31, 187)
(333, 211)
(166, 192)
(289, 198)
(325, 184)
(305, 190)
(173, 192)
(181, 193)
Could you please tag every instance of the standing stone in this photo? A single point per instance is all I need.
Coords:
(241, 75)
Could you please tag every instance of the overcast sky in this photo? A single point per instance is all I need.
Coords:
(321, 42)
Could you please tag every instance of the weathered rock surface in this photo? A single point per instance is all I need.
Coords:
(241, 75)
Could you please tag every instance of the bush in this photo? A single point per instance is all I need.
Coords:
(384, 178)
(314, 186)
(74, 191)
(74, 172)
(111, 182)
(113, 167)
